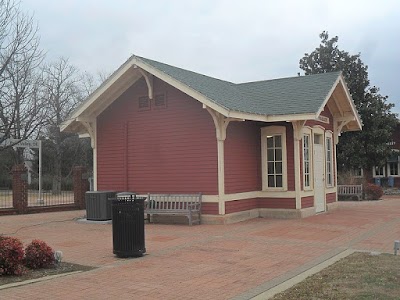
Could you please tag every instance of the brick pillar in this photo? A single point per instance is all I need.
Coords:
(20, 188)
(81, 186)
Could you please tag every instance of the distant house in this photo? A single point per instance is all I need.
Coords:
(391, 168)
(265, 148)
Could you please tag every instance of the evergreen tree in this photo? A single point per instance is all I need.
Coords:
(369, 147)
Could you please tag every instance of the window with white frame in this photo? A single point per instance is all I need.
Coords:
(393, 168)
(329, 161)
(306, 161)
(357, 172)
(379, 172)
(274, 161)
(274, 158)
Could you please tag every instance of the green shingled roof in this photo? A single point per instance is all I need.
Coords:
(286, 96)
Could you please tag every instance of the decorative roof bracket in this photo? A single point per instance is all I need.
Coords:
(149, 81)
(221, 122)
(91, 129)
(339, 124)
(297, 129)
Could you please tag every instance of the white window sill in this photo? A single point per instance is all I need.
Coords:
(274, 190)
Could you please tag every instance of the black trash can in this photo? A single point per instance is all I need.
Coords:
(128, 225)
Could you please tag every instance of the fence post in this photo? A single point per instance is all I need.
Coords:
(81, 186)
(20, 188)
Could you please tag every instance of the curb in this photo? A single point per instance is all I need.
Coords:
(25, 282)
(300, 277)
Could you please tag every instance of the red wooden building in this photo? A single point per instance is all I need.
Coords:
(253, 149)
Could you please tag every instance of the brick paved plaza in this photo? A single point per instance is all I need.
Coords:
(237, 261)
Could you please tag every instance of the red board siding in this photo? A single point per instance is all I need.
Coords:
(307, 202)
(326, 113)
(290, 157)
(243, 157)
(110, 162)
(209, 208)
(248, 204)
(168, 150)
(277, 203)
(331, 197)
(240, 205)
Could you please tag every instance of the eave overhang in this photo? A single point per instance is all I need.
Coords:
(135, 68)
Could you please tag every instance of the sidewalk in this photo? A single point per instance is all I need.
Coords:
(236, 261)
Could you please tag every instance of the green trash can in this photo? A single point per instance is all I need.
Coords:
(128, 225)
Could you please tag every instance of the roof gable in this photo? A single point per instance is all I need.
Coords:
(294, 95)
(294, 98)
(223, 93)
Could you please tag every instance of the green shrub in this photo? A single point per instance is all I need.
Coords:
(39, 255)
(11, 256)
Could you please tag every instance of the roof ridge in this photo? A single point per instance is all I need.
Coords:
(285, 78)
(186, 70)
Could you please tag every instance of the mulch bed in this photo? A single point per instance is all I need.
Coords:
(63, 267)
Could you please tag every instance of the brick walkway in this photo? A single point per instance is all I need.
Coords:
(235, 261)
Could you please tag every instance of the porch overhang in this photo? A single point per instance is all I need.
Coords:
(342, 107)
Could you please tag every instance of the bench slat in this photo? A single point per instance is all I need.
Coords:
(184, 204)
(350, 190)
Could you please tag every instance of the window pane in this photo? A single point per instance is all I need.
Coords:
(278, 141)
(279, 180)
(271, 181)
(270, 154)
(274, 161)
(278, 154)
(306, 141)
(270, 142)
(278, 168)
(394, 170)
(328, 144)
(328, 161)
(379, 171)
(306, 161)
(270, 168)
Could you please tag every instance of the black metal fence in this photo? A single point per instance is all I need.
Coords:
(49, 198)
(5, 185)
(6, 197)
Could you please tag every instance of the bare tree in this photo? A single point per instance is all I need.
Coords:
(62, 87)
(90, 82)
(21, 105)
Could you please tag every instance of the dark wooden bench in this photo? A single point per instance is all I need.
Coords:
(351, 190)
(174, 204)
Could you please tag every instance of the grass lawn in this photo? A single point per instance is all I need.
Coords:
(358, 276)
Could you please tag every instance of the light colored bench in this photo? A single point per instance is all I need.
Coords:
(174, 204)
(351, 190)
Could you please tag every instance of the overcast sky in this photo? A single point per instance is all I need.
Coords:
(233, 40)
